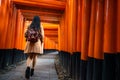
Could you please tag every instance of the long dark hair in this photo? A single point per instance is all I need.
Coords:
(36, 23)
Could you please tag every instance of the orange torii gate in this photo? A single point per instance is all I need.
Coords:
(86, 34)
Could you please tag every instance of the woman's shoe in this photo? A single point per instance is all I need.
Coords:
(27, 73)
(32, 72)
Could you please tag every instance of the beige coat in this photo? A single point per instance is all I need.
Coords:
(35, 47)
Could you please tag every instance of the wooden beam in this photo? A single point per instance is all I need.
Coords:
(51, 4)
(47, 19)
(45, 13)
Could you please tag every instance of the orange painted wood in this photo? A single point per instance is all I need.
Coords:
(59, 41)
(71, 25)
(74, 26)
(52, 17)
(18, 43)
(3, 23)
(42, 3)
(118, 27)
(65, 32)
(14, 14)
(23, 34)
(50, 13)
(8, 24)
(16, 35)
(49, 19)
(110, 26)
(17, 30)
(62, 34)
(10, 29)
(86, 8)
(51, 31)
(69, 13)
(99, 31)
(49, 44)
(79, 25)
(92, 29)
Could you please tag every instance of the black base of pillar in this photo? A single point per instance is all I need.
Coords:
(97, 71)
(83, 69)
(78, 55)
(10, 57)
(109, 67)
(71, 63)
(90, 68)
(65, 60)
(118, 66)
(75, 66)
(46, 51)
(1, 58)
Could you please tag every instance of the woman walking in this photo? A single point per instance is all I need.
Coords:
(32, 49)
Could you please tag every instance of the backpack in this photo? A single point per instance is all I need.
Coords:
(32, 35)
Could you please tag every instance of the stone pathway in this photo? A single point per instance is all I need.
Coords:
(62, 74)
(45, 70)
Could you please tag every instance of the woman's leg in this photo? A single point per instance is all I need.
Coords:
(33, 64)
(28, 62)
(34, 61)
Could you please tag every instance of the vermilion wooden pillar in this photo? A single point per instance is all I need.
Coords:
(64, 39)
(92, 29)
(98, 45)
(91, 40)
(75, 54)
(11, 27)
(14, 15)
(59, 45)
(4, 22)
(17, 30)
(18, 36)
(99, 30)
(66, 28)
(5, 18)
(62, 34)
(23, 35)
(74, 25)
(20, 25)
(118, 27)
(118, 40)
(86, 9)
(70, 25)
(79, 25)
(110, 41)
(78, 38)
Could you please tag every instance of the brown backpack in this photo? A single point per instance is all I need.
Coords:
(33, 35)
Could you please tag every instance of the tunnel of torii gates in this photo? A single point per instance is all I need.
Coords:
(84, 32)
